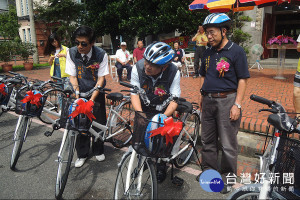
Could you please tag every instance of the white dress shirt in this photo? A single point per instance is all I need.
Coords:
(71, 68)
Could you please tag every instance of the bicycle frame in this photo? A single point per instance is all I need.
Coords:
(112, 117)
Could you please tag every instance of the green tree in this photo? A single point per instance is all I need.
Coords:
(238, 36)
(65, 15)
(9, 26)
(141, 18)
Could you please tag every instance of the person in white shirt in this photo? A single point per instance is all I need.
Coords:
(123, 59)
(87, 66)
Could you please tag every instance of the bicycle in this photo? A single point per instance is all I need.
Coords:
(27, 111)
(281, 156)
(136, 176)
(117, 131)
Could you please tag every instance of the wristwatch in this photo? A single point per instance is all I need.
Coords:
(77, 92)
(238, 105)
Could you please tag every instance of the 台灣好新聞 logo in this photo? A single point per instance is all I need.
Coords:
(211, 181)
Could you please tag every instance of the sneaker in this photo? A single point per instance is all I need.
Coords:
(100, 157)
(195, 76)
(79, 162)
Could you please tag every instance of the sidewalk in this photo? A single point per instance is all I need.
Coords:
(261, 83)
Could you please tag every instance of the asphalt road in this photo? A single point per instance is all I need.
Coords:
(36, 170)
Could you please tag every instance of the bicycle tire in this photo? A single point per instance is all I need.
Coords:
(123, 138)
(192, 126)
(53, 104)
(239, 195)
(18, 142)
(146, 191)
(64, 164)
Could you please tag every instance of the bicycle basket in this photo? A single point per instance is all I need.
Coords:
(29, 109)
(80, 122)
(155, 146)
(288, 162)
(66, 103)
(5, 92)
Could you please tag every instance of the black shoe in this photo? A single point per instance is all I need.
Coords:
(198, 177)
(161, 175)
(195, 76)
(161, 172)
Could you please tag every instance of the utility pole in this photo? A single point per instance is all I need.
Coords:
(32, 31)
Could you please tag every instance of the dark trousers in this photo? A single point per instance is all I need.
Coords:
(83, 141)
(120, 70)
(215, 123)
(198, 55)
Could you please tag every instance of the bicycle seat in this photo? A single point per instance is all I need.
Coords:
(15, 81)
(184, 107)
(115, 96)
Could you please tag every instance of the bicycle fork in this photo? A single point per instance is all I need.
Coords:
(18, 126)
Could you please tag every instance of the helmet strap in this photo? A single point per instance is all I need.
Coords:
(219, 45)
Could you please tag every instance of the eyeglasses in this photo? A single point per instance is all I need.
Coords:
(212, 33)
(83, 44)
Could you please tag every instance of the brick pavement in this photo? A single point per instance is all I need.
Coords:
(261, 83)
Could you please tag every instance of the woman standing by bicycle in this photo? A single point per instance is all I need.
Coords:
(58, 54)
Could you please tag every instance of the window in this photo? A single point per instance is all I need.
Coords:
(29, 35)
(24, 34)
(22, 8)
(27, 7)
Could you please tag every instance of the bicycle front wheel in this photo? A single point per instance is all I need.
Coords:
(188, 139)
(19, 137)
(64, 163)
(52, 108)
(136, 178)
(244, 195)
(122, 128)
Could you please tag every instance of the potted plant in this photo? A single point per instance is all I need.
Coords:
(25, 50)
(281, 41)
(7, 49)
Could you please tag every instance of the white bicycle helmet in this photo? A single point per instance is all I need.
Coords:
(159, 53)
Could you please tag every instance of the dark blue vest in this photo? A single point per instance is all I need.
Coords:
(159, 92)
(86, 76)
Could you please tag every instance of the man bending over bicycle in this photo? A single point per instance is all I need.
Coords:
(87, 67)
(159, 78)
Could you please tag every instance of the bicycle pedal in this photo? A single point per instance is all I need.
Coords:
(177, 181)
(48, 133)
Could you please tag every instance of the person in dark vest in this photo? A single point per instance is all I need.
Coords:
(156, 74)
(87, 66)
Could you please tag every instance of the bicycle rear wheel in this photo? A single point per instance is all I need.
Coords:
(52, 108)
(136, 178)
(122, 129)
(244, 195)
(64, 163)
(192, 126)
(18, 140)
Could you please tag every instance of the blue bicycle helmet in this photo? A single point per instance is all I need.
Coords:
(159, 53)
(156, 122)
(81, 122)
(217, 20)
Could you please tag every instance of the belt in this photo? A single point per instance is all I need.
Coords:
(218, 94)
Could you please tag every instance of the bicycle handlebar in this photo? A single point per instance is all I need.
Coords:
(89, 93)
(126, 84)
(262, 100)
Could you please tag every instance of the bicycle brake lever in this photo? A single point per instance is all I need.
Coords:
(269, 110)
